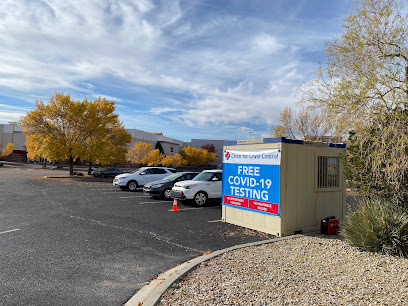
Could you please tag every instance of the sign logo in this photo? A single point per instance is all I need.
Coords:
(227, 155)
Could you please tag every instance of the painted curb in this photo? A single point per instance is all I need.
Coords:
(151, 293)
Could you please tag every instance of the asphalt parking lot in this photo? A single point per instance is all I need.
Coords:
(81, 241)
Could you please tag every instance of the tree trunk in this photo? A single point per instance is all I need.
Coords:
(89, 168)
(71, 165)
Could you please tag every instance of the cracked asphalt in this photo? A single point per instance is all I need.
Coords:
(81, 241)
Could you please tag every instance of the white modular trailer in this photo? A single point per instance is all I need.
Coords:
(282, 186)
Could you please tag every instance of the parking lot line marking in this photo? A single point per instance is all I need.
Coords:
(105, 186)
(132, 197)
(195, 208)
(154, 202)
(215, 221)
(9, 231)
(117, 191)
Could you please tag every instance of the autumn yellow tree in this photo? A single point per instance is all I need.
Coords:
(7, 150)
(154, 158)
(65, 129)
(108, 145)
(173, 160)
(197, 156)
(35, 147)
(139, 152)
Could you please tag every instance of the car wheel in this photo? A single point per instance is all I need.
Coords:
(167, 193)
(102, 175)
(200, 198)
(132, 186)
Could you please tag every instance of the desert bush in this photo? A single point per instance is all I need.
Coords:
(377, 225)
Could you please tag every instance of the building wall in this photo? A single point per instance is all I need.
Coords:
(170, 145)
(12, 133)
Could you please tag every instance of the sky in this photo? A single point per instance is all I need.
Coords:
(190, 69)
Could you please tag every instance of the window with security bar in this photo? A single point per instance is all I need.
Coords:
(327, 172)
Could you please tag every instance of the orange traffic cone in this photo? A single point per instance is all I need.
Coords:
(174, 205)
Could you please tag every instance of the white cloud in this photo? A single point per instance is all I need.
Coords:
(228, 68)
(88, 85)
(109, 98)
(13, 108)
(235, 106)
(267, 43)
(164, 110)
(7, 116)
(144, 5)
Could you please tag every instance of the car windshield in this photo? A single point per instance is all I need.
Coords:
(203, 176)
(137, 170)
(172, 177)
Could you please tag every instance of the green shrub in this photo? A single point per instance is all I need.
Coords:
(377, 225)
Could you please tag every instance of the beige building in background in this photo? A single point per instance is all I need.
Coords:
(169, 145)
(13, 133)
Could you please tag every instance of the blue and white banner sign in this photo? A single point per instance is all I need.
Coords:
(251, 180)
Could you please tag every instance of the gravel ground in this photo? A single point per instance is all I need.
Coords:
(311, 270)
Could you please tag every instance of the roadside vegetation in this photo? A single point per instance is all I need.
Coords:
(378, 225)
(7, 150)
(67, 130)
(361, 93)
(142, 153)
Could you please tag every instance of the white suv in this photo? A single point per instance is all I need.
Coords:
(206, 185)
(144, 175)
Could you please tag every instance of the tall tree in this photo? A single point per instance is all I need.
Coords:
(366, 82)
(64, 129)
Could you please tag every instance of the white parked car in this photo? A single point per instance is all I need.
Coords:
(206, 185)
(144, 175)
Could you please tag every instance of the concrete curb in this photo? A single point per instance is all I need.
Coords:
(150, 294)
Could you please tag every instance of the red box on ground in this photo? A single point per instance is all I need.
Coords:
(329, 226)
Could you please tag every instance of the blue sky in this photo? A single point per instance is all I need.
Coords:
(188, 69)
